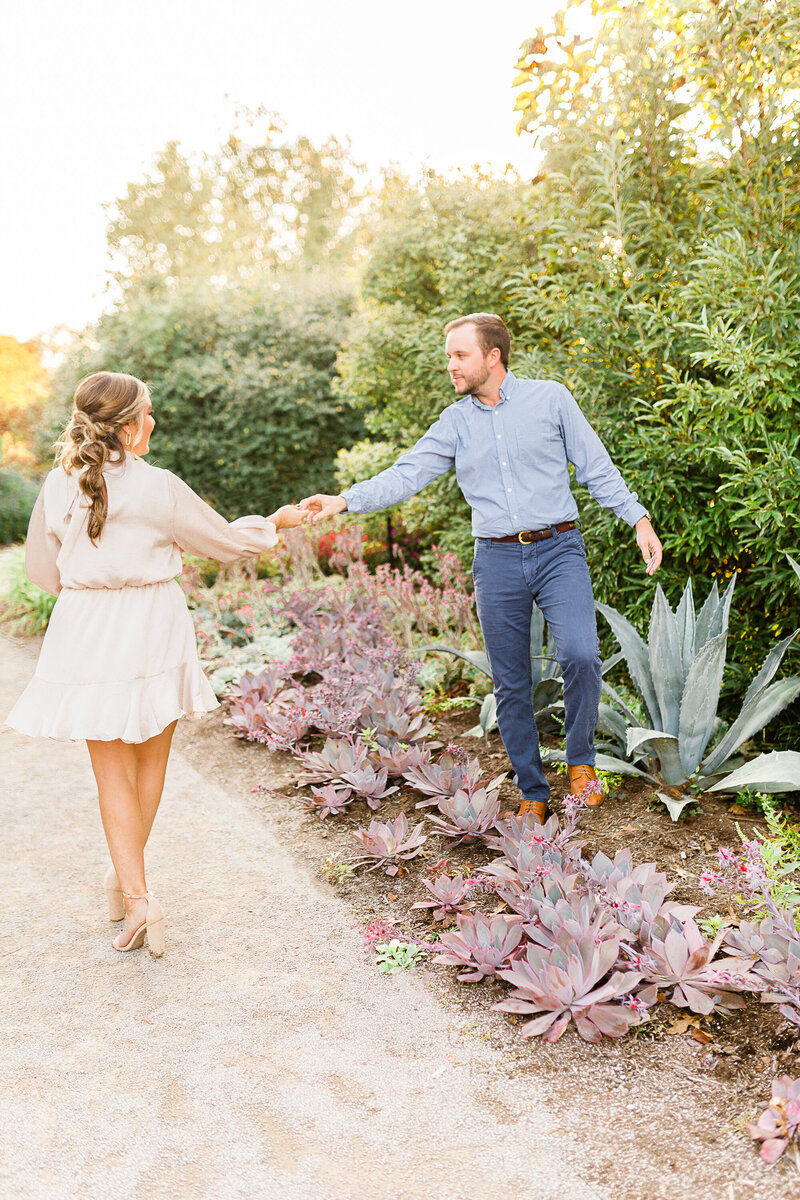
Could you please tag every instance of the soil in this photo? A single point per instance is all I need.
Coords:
(670, 1102)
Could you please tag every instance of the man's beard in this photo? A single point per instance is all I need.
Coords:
(470, 383)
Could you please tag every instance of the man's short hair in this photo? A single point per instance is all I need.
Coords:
(490, 330)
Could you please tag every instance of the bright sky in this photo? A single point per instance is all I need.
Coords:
(91, 89)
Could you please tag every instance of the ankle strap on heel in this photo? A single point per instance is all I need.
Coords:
(131, 896)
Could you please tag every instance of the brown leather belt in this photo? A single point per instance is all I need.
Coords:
(534, 535)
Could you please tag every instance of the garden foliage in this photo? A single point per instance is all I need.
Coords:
(652, 267)
(17, 498)
(588, 940)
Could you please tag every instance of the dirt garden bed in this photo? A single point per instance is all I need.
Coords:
(678, 1085)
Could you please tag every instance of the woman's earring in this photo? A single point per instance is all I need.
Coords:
(127, 437)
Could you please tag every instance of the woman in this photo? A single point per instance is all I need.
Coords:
(118, 665)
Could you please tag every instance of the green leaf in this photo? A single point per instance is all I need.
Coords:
(477, 658)
(776, 772)
(675, 805)
(666, 666)
(771, 664)
(753, 717)
(700, 700)
(636, 656)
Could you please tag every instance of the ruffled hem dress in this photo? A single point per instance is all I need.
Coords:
(119, 659)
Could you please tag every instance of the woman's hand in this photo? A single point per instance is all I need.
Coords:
(289, 516)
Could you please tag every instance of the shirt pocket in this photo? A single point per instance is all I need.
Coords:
(536, 442)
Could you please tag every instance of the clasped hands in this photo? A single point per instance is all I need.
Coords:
(308, 511)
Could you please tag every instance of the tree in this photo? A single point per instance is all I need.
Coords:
(259, 203)
(241, 385)
(24, 384)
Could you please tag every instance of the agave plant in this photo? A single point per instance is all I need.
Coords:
(678, 675)
(482, 946)
(469, 815)
(778, 1127)
(678, 956)
(337, 757)
(546, 677)
(328, 801)
(449, 895)
(574, 981)
(445, 777)
(390, 844)
(369, 783)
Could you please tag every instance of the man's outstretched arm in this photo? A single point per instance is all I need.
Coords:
(431, 456)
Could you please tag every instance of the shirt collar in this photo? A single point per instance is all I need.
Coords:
(506, 388)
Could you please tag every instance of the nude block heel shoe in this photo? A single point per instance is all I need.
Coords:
(116, 905)
(150, 930)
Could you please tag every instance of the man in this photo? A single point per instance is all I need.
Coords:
(511, 441)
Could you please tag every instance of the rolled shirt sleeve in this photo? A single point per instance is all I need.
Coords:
(594, 467)
(199, 529)
(41, 551)
(431, 456)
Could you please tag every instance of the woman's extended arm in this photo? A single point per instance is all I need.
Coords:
(198, 529)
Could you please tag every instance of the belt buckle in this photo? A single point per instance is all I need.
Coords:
(522, 540)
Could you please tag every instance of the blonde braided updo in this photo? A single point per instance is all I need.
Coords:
(103, 404)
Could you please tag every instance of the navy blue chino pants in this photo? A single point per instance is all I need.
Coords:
(509, 577)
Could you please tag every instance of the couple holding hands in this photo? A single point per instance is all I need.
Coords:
(118, 665)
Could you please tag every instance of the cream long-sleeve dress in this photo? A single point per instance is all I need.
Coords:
(119, 659)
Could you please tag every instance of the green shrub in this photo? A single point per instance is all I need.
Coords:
(241, 386)
(26, 608)
(17, 498)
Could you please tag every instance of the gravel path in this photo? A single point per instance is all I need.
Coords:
(262, 1057)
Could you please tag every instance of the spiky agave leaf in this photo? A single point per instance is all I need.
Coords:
(778, 771)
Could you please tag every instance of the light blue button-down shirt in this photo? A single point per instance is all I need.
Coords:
(511, 461)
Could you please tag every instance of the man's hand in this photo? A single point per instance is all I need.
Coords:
(321, 507)
(289, 516)
(649, 545)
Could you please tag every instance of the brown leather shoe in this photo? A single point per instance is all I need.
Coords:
(581, 779)
(533, 808)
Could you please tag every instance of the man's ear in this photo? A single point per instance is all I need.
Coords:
(494, 357)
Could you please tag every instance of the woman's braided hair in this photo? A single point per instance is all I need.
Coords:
(103, 404)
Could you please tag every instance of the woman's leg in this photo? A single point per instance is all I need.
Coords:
(151, 767)
(115, 770)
